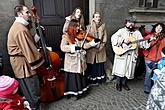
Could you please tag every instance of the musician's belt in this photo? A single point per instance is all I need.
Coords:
(32, 64)
(16, 55)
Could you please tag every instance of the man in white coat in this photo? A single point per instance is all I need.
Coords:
(125, 53)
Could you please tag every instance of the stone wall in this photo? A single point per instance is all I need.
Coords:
(6, 20)
(113, 13)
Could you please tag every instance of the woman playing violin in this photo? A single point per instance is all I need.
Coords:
(75, 61)
(153, 53)
(96, 57)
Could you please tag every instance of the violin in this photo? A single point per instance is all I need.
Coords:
(84, 35)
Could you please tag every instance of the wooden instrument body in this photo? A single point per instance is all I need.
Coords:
(124, 47)
(121, 49)
(51, 80)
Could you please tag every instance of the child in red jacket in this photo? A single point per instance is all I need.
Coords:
(9, 98)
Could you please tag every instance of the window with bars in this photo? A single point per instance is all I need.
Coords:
(148, 3)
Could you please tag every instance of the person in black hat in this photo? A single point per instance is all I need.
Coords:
(130, 23)
(125, 53)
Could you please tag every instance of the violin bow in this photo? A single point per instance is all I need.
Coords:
(86, 34)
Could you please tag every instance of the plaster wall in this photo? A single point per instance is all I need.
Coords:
(6, 20)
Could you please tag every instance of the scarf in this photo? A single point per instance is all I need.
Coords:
(21, 20)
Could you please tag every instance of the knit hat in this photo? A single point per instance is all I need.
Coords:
(7, 85)
(148, 29)
(131, 19)
(163, 50)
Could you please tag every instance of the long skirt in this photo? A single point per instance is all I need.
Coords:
(75, 84)
(96, 73)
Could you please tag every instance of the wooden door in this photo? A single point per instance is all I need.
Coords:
(52, 15)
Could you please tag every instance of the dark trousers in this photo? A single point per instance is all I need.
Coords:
(148, 83)
(31, 90)
(121, 81)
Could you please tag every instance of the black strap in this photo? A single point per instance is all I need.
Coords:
(16, 55)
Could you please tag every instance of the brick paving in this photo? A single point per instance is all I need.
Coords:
(105, 97)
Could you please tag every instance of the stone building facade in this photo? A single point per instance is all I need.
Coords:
(113, 12)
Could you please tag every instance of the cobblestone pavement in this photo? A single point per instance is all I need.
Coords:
(105, 97)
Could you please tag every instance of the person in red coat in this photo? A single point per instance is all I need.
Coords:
(153, 53)
(9, 98)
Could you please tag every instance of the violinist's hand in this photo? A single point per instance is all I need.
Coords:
(78, 48)
(75, 48)
(93, 43)
(97, 40)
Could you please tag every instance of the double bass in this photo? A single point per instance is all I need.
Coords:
(51, 79)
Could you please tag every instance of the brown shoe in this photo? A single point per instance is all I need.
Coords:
(126, 87)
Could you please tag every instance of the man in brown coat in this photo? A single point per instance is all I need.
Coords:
(24, 57)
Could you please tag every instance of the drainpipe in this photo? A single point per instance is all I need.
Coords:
(92, 6)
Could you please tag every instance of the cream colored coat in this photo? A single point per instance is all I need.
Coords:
(66, 24)
(24, 55)
(74, 62)
(100, 50)
(124, 65)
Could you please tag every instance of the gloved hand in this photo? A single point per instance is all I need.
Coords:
(97, 40)
(77, 48)
(74, 48)
(93, 43)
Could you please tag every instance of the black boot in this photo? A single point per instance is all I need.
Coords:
(78, 96)
(118, 83)
(124, 84)
(68, 96)
(126, 87)
(118, 87)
